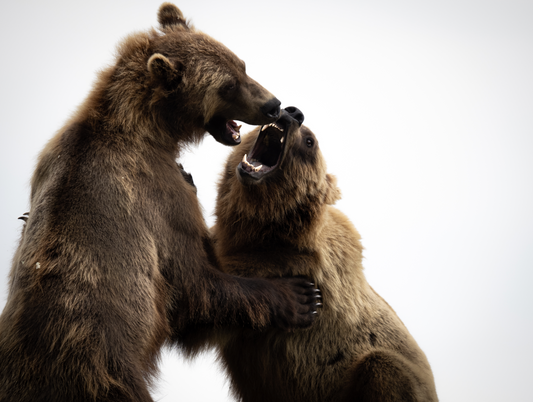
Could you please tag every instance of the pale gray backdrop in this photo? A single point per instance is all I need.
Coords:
(423, 110)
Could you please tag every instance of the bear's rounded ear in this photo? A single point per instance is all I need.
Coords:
(333, 192)
(163, 70)
(170, 15)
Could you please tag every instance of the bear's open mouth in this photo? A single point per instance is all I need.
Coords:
(266, 153)
(233, 130)
(224, 131)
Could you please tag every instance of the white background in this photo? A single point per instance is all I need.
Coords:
(423, 110)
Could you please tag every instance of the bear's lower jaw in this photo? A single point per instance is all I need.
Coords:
(247, 175)
(234, 129)
(253, 166)
(226, 132)
(253, 172)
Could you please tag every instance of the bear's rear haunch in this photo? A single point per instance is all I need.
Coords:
(115, 259)
(274, 218)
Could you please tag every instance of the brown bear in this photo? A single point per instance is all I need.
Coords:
(274, 218)
(115, 259)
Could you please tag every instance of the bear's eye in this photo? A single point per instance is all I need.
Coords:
(229, 90)
(309, 142)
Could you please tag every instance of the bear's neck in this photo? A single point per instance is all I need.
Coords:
(296, 227)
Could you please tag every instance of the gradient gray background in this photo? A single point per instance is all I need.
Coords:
(423, 110)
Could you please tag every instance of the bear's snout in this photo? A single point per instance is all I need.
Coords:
(271, 109)
(295, 113)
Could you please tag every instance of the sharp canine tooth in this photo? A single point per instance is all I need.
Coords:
(276, 126)
(282, 138)
(235, 136)
(264, 128)
(238, 129)
(257, 168)
(245, 162)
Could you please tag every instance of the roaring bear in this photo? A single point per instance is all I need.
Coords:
(275, 218)
(115, 259)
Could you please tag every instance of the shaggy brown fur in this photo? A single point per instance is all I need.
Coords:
(115, 259)
(277, 220)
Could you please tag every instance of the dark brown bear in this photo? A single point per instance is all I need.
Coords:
(115, 259)
(274, 218)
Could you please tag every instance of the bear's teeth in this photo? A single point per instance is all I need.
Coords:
(245, 161)
(235, 136)
(275, 125)
(271, 125)
(281, 140)
(254, 168)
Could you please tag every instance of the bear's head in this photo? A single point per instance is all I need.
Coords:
(200, 82)
(275, 181)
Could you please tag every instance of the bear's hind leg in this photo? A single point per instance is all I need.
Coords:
(382, 376)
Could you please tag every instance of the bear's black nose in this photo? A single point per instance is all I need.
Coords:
(295, 113)
(271, 108)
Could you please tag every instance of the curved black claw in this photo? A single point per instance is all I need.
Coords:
(187, 176)
(24, 216)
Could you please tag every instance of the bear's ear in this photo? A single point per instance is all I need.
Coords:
(170, 15)
(333, 192)
(163, 70)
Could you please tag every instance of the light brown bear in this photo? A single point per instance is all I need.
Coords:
(274, 218)
(115, 259)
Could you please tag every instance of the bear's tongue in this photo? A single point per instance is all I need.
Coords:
(233, 129)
